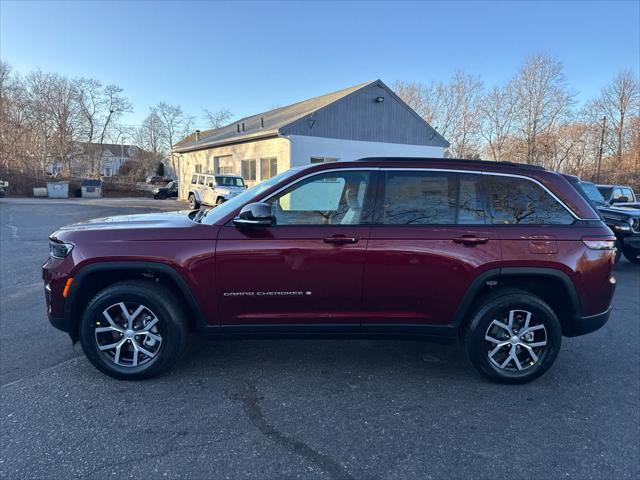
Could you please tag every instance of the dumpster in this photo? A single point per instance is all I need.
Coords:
(58, 189)
(91, 188)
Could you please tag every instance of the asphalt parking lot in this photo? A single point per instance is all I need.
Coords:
(300, 409)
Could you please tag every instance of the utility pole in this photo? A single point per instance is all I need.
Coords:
(604, 123)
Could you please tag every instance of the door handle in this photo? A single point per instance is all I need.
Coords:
(471, 240)
(340, 240)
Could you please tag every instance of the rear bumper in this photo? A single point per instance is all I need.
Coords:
(584, 325)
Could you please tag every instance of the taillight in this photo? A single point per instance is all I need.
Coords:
(600, 243)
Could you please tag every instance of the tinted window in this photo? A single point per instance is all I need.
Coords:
(335, 198)
(471, 208)
(194, 179)
(520, 201)
(229, 181)
(419, 198)
(201, 179)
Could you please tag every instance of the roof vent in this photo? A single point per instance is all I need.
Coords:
(238, 127)
(243, 126)
(197, 135)
(261, 122)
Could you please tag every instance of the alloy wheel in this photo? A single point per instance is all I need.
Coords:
(128, 334)
(515, 341)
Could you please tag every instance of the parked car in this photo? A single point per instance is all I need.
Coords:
(624, 221)
(157, 180)
(619, 195)
(4, 186)
(213, 190)
(503, 257)
(168, 191)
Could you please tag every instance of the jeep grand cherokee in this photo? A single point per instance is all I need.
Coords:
(505, 258)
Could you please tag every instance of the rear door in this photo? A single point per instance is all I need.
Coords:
(431, 237)
(305, 269)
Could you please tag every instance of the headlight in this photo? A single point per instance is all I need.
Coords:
(59, 249)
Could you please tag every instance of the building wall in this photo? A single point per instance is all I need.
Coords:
(210, 160)
(360, 116)
(304, 147)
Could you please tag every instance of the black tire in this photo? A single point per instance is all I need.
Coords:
(631, 254)
(171, 327)
(219, 201)
(496, 306)
(193, 203)
(161, 196)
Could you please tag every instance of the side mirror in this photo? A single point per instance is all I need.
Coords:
(254, 214)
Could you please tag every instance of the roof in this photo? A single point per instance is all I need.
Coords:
(269, 124)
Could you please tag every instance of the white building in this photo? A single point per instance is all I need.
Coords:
(362, 121)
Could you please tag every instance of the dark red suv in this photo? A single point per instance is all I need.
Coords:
(503, 257)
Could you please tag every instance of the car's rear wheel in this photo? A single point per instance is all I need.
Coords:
(133, 330)
(631, 254)
(193, 203)
(513, 337)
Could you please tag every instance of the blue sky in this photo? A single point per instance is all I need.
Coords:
(252, 56)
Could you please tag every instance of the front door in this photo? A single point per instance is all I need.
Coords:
(306, 268)
(431, 237)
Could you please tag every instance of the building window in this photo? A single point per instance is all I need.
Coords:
(322, 159)
(248, 170)
(268, 168)
(198, 168)
(226, 170)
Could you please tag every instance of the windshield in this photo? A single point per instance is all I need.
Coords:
(215, 214)
(592, 193)
(229, 181)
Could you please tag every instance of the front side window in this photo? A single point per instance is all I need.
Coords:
(518, 201)
(248, 170)
(419, 198)
(209, 182)
(333, 198)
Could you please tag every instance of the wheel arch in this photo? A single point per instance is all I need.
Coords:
(551, 285)
(89, 280)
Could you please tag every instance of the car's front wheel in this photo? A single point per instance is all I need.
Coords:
(513, 337)
(631, 254)
(193, 203)
(219, 201)
(133, 330)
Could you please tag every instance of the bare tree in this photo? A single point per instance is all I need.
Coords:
(99, 109)
(451, 108)
(618, 101)
(543, 99)
(498, 117)
(217, 118)
(176, 124)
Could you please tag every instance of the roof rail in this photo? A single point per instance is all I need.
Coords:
(462, 160)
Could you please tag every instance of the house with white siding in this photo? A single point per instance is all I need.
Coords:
(361, 121)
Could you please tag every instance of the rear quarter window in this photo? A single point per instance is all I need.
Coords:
(194, 179)
(518, 201)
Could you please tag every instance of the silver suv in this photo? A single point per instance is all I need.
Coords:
(212, 190)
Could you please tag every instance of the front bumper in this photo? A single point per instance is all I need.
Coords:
(583, 325)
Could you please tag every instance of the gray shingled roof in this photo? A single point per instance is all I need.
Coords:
(266, 124)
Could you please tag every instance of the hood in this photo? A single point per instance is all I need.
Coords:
(145, 227)
(147, 220)
(620, 212)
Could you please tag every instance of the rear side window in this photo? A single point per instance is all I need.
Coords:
(432, 198)
(194, 179)
(201, 179)
(420, 198)
(517, 201)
